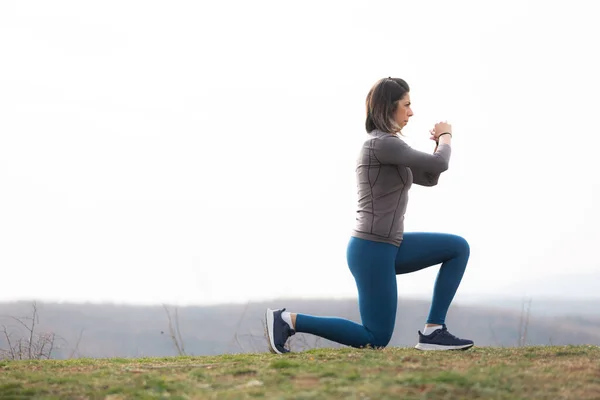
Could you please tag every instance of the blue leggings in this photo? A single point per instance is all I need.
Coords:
(374, 266)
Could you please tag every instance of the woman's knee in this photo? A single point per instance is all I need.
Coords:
(381, 339)
(461, 245)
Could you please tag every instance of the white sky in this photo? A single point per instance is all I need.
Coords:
(197, 152)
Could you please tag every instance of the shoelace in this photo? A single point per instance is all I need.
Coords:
(446, 333)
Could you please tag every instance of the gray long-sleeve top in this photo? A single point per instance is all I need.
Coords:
(386, 169)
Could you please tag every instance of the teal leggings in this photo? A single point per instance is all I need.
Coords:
(374, 266)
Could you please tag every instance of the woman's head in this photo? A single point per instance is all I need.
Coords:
(388, 105)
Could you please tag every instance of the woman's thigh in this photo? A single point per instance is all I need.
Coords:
(420, 250)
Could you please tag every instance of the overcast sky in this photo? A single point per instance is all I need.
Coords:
(201, 152)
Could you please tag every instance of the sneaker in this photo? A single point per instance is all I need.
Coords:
(441, 339)
(278, 331)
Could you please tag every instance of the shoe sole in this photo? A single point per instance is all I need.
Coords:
(270, 319)
(439, 347)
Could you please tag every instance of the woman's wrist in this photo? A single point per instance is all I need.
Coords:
(443, 138)
(442, 134)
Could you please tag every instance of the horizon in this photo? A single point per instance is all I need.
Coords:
(464, 300)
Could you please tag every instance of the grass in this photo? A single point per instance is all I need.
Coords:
(553, 372)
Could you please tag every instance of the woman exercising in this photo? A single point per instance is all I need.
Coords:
(378, 248)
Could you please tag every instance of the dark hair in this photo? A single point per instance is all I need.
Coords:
(382, 101)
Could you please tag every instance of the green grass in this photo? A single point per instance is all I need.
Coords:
(559, 372)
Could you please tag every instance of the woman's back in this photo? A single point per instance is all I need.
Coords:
(382, 191)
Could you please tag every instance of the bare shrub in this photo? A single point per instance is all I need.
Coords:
(23, 342)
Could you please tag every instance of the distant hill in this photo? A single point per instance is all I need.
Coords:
(539, 306)
(583, 286)
(108, 330)
(555, 295)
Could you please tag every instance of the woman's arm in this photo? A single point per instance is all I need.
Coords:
(425, 178)
(393, 150)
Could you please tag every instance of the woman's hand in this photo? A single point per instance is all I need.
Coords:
(438, 129)
(441, 127)
(432, 135)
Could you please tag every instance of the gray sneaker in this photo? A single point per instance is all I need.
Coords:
(278, 331)
(441, 339)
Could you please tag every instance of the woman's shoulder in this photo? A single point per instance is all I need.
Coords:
(380, 139)
(380, 134)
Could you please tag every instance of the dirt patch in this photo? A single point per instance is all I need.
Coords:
(306, 381)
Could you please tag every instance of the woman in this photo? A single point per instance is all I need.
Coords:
(379, 249)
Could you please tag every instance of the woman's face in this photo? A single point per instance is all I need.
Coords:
(403, 111)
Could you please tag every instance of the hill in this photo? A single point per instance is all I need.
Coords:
(567, 285)
(558, 372)
(110, 330)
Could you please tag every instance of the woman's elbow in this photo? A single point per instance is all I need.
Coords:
(429, 179)
(442, 166)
